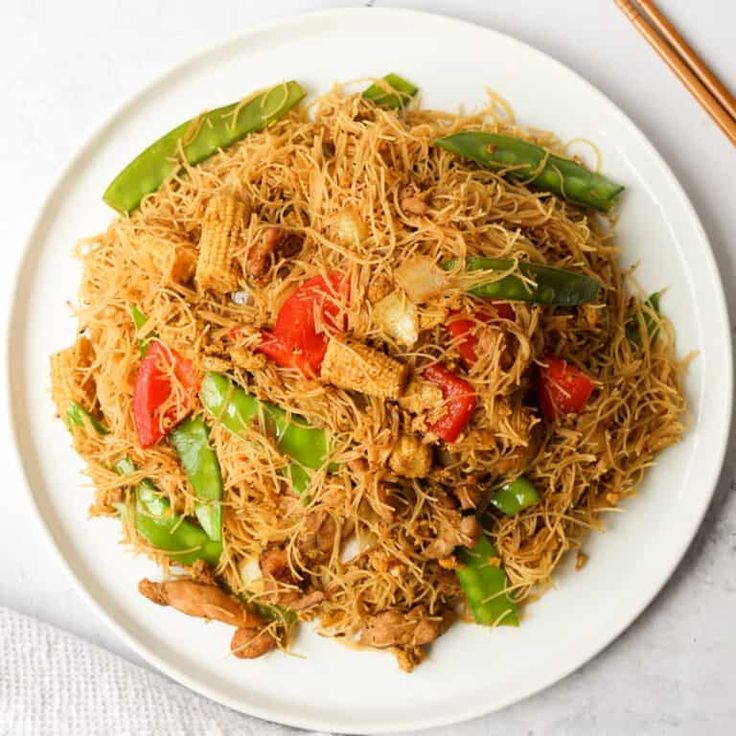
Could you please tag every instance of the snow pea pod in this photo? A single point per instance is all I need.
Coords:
(199, 460)
(648, 316)
(520, 159)
(79, 416)
(515, 496)
(308, 446)
(198, 139)
(553, 286)
(139, 321)
(395, 92)
(484, 585)
(161, 528)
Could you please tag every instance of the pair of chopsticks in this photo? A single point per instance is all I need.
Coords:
(700, 81)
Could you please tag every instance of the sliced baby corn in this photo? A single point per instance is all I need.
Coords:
(356, 367)
(224, 219)
(62, 380)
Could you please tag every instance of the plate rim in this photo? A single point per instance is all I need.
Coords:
(23, 268)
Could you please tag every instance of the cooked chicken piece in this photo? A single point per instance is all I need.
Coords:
(307, 601)
(408, 658)
(252, 643)
(215, 363)
(453, 530)
(394, 628)
(316, 539)
(275, 242)
(379, 288)
(386, 502)
(200, 599)
(413, 201)
(414, 206)
(282, 587)
(421, 396)
(247, 360)
(431, 315)
(201, 572)
(492, 340)
(590, 314)
(469, 494)
(274, 562)
(410, 457)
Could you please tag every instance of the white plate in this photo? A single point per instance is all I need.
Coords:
(471, 670)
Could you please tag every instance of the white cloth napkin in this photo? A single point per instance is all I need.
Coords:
(52, 682)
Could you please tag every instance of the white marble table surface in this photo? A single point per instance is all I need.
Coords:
(65, 65)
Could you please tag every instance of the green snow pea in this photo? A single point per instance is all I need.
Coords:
(161, 528)
(228, 403)
(199, 139)
(651, 324)
(199, 460)
(520, 159)
(553, 286)
(484, 585)
(395, 93)
(514, 496)
(79, 416)
(139, 320)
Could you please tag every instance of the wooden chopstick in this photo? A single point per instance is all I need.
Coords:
(655, 16)
(702, 84)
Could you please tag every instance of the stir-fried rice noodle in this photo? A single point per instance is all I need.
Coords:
(363, 534)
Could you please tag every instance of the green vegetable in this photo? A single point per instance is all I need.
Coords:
(79, 416)
(395, 93)
(523, 160)
(199, 460)
(161, 528)
(554, 286)
(199, 139)
(514, 496)
(271, 612)
(651, 324)
(484, 585)
(237, 410)
(139, 320)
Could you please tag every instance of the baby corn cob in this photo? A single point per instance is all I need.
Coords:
(224, 219)
(62, 380)
(357, 367)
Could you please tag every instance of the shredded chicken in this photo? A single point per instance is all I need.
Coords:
(200, 599)
(252, 643)
(453, 530)
(274, 242)
(316, 540)
(394, 628)
(410, 457)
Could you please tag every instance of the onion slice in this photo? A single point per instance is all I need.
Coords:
(421, 278)
(397, 316)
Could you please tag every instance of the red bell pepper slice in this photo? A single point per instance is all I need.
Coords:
(297, 340)
(154, 412)
(306, 357)
(461, 326)
(563, 388)
(460, 400)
